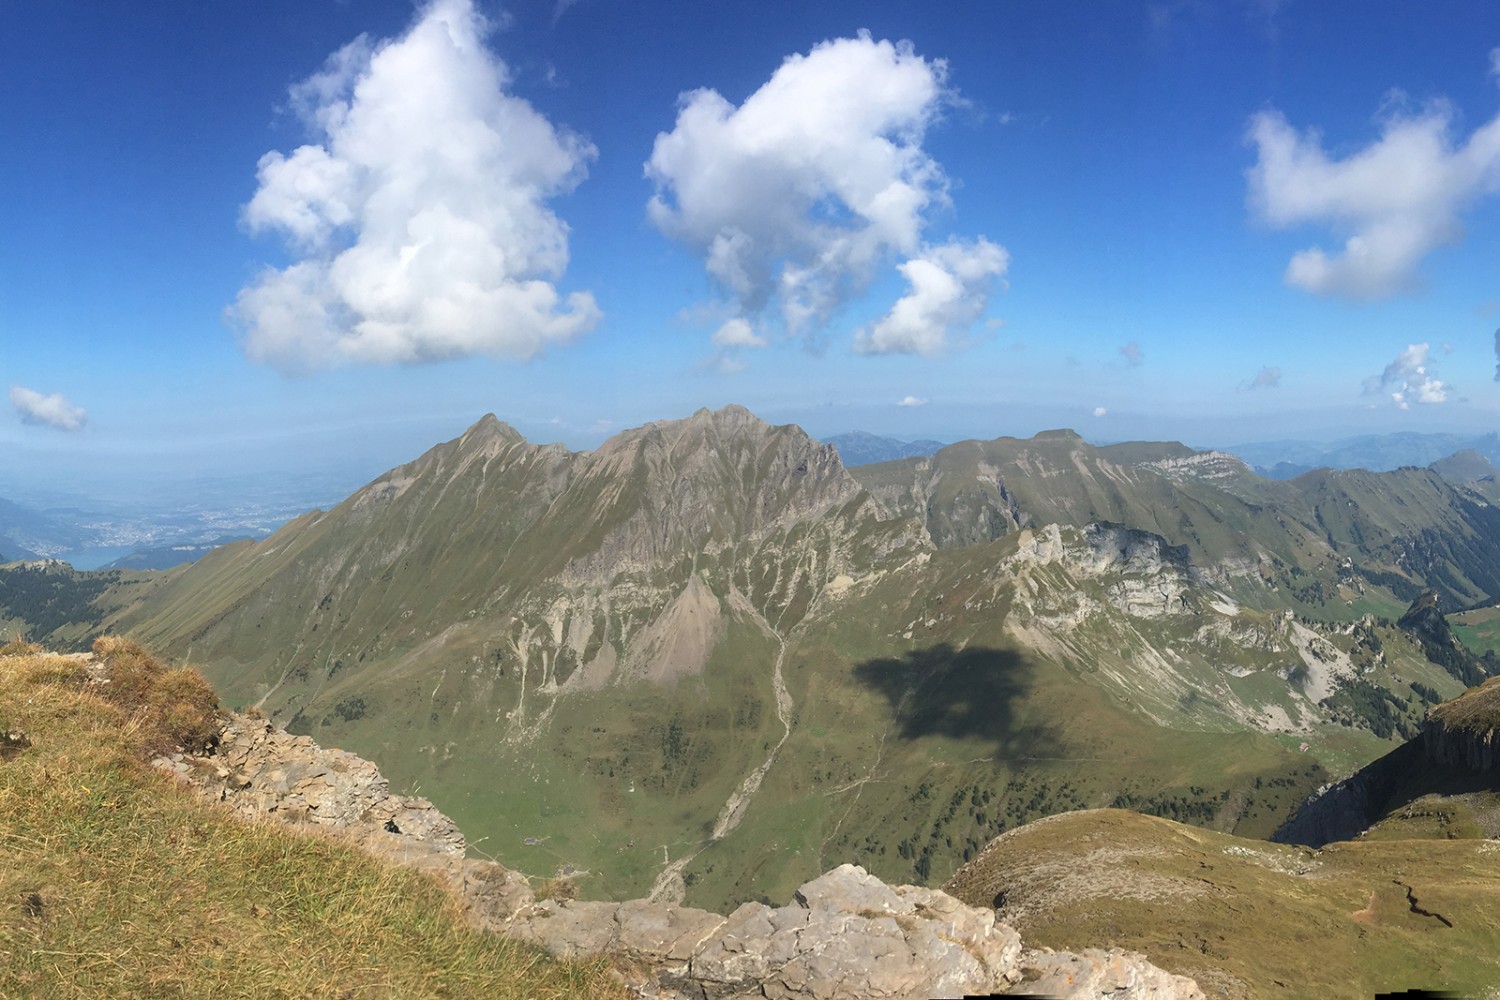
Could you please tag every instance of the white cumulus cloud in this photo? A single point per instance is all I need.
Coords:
(1410, 379)
(913, 401)
(418, 216)
(949, 288)
(1394, 201)
(50, 411)
(1100, 411)
(796, 197)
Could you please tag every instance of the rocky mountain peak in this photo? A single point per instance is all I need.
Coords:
(1425, 618)
(490, 428)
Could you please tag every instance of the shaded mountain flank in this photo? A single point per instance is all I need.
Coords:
(1443, 783)
(707, 661)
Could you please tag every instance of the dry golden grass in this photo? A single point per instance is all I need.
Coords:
(1477, 708)
(17, 646)
(1249, 919)
(114, 882)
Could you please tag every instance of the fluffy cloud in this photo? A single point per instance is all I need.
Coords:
(418, 219)
(1266, 378)
(796, 197)
(1397, 199)
(1409, 379)
(50, 411)
(1133, 355)
(1100, 411)
(914, 401)
(1497, 355)
(949, 287)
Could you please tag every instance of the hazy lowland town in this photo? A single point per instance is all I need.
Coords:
(800, 501)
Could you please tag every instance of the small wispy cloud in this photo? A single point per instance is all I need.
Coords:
(914, 401)
(47, 411)
(1267, 378)
(1133, 354)
(1100, 411)
(738, 333)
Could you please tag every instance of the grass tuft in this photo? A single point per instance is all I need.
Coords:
(18, 646)
(173, 709)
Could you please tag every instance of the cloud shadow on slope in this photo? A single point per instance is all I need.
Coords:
(960, 694)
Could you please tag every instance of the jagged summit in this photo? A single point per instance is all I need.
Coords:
(490, 427)
(731, 421)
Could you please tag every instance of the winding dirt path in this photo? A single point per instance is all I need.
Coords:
(669, 886)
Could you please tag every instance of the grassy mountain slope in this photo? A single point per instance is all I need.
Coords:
(50, 602)
(1248, 919)
(118, 883)
(705, 659)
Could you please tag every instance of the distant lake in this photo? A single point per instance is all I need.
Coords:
(94, 558)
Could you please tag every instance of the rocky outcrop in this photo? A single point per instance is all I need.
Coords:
(1114, 974)
(1472, 749)
(845, 935)
(1465, 732)
(260, 770)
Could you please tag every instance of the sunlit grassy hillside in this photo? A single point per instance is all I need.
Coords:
(116, 883)
(1247, 919)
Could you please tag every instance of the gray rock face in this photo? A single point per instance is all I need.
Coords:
(1468, 747)
(845, 935)
(1101, 975)
(260, 769)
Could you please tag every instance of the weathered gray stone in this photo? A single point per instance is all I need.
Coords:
(848, 934)
(1093, 974)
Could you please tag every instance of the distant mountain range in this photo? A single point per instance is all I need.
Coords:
(861, 448)
(1376, 452)
(1272, 459)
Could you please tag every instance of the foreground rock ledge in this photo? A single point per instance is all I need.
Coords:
(845, 935)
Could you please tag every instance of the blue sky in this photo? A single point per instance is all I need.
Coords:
(305, 234)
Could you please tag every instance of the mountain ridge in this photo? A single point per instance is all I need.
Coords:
(708, 636)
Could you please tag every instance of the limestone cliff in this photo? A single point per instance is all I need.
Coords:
(1463, 732)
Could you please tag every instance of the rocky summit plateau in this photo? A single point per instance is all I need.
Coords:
(708, 670)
